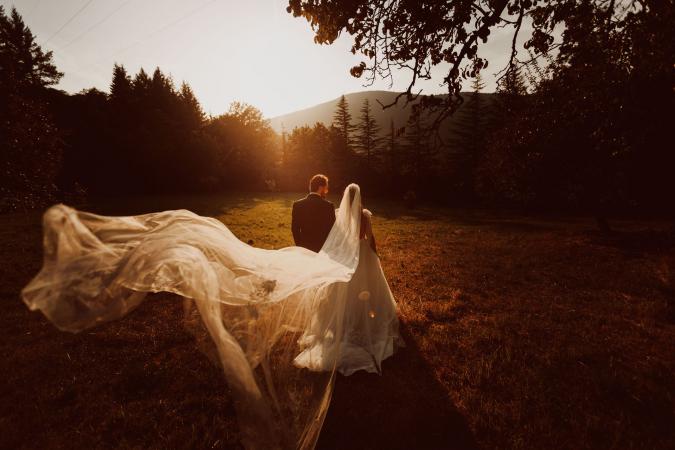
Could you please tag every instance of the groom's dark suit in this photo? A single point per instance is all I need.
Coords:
(313, 217)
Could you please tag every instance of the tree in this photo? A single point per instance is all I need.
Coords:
(141, 83)
(418, 154)
(312, 150)
(367, 137)
(468, 143)
(393, 150)
(342, 120)
(154, 136)
(25, 65)
(502, 175)
(590, 135)
(512, 88)
(415, 36)
(31, 145)
(587, 133)
(192, 111)
(242, 147)
(120, 87)
(163, 90)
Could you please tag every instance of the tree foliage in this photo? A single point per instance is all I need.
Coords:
(31, 145)
(580, 123)
(472, 125)
(418, 35)
(593, 133)
(147, 136)
(368, 135)
(585, 101)
(312, 150)
(342, 121)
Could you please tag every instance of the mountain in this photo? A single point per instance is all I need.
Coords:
(323, 112)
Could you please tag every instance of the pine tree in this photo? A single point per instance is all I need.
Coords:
(24, 64)
(512, 83)
(162, 90)
(468, 143)
(192, 111)
(31, 144)
(367, 137)
(120, 87)
(342, 120)
(512, 92)
(141, 84)
(417, 151)
(392, 150)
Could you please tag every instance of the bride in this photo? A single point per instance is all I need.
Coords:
(370, 321)
(281, 323)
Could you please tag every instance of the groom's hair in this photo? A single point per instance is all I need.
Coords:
(317, 181)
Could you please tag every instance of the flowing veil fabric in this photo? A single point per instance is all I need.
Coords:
(261, 308)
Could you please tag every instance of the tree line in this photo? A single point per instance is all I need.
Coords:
(397, 160)
(582, 120)
(146, 135)
(576, 131)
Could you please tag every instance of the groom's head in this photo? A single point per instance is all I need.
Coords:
(319, 185)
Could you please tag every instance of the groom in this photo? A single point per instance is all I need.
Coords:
(313, 216)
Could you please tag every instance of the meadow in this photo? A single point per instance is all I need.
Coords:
(521, 331)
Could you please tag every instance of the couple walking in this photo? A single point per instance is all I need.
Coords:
(281, 322)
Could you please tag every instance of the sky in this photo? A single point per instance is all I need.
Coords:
(251, 51)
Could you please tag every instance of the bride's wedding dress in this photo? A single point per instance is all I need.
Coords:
(270, 314)
(370, 332)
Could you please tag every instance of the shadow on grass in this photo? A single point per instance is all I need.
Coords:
(405, 408)
(637, 242)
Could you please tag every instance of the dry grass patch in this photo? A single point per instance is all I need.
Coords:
(521, 332)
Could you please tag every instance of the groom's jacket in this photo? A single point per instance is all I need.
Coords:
(313, 217)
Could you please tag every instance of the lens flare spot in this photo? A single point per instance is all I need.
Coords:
(364, 295)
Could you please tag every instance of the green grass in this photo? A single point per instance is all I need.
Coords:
(521, 332)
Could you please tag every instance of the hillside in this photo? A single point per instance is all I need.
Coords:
(323, 112)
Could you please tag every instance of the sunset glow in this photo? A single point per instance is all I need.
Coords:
(250, 51)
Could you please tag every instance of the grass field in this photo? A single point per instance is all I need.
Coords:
(521, 332)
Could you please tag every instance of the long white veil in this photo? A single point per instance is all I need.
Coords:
(261, 308)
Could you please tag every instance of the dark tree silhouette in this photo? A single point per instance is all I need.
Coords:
(141, 83)
(580, 137)
(121, 89)
(471, 127)
(368, 135)
(582, 127)
(590, 136)
(500, 177)
(393, 150)
(342, 120)
(31, 144)
(419, 154)
(191, 109)
(25, 65)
